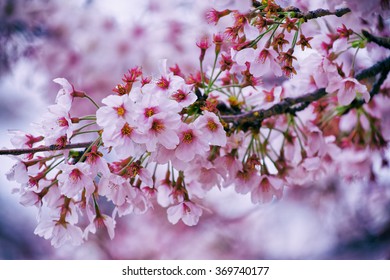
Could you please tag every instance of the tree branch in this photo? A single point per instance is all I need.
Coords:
(292, 105)
(321, 13)
(380, 41)
(44, 149)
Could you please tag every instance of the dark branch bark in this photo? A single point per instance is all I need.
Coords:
(321, 13)
(292, 105)
(380, 41)
(16, 152)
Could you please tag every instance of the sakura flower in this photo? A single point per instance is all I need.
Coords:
(115, 188)
(231, 165)
(118, 108)
(211, 128)
(261, 61)
(187, 211)
(164, 193)
(347, 90)
(97, 163)
(30, 198)
(56, 126)
(74, 179)
(245, 180)
(192, 142)
(18, 172)
(184, 96)
(137, 203)
(166, 84)
(100, 221)
(60, 233)
(125, 138)
(266, 189)
(158, 119)
(64, 95)
(163, 131)
(22, 140)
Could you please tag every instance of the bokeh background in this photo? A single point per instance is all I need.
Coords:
(92, 43)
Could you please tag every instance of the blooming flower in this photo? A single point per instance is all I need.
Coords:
(100, 221)
(211, 128)
(266, 189)
(64, 95)
(118, 108)
(56, 126)
(347, 89)
(192, 142)
(187, 211)
(60, 233)
(74, 179)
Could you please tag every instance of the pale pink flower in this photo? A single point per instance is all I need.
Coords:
(192, 142)
(101, 221)
(319, 70)
(64, 95)
(56, 125)
(118, 108)
(261, 61)
(245, 180)
(97, 164)
(211, 128)
(347, 90)
(30, 198)
(184, 96)
(161, 129)
(125, 138)
(152, 104)
(167, 83)
(137, 203)
(74, 179)
(21, 140)
(164, 194)
(59, 233)
(231, 165)
(18, 172)
(115, 188)
(267, 187)
(187, 211)
(205, 173)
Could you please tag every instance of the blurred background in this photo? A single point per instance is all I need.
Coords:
(92, 44)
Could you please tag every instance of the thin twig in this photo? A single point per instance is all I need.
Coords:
(44, 149)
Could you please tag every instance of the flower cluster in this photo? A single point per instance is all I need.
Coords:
(171, 138)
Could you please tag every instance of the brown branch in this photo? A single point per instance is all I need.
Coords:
(291, 105)
(380, 41)
(321, 13)
(16, 152)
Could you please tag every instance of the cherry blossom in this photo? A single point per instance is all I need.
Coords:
(186, 211)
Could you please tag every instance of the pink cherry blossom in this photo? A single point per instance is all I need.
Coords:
(118, 108)
(192, 142)
(125, 138)
(187, 211)
(74, 179)
(100, 222)
(64, 96)
(212, 129)
(347, 90)
(56, 127)
(60, 233)
(266, 189)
